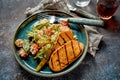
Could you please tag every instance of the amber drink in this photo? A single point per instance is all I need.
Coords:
(107, 8)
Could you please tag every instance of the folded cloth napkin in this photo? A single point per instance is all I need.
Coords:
(48, 5)
(61, 5)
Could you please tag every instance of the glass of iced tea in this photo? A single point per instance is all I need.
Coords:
(107, 8)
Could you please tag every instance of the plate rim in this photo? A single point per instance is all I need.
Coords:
(53, 74)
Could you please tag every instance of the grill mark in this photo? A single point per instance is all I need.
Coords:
(66, 54)
(73, 49)
(58, 43)
(62, 38)
(55, 46)
(52, 63)
(79, 47)
(58, 59)
(68, 36)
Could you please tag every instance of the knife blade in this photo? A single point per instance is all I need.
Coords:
(81, 12)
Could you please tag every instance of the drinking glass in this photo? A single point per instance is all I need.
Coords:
(107, 8)
(82, 3)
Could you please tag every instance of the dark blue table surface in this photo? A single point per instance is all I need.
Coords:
(105, 65)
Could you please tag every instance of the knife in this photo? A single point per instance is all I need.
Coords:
(80, 20)
(81, 12)
(84, 21)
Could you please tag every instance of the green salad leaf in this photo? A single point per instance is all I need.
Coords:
(26, 45)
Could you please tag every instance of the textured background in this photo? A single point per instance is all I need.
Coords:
(105, 65)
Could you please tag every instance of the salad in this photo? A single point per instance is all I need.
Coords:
(42, 38)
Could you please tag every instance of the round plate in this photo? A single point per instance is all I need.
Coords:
(30, 64)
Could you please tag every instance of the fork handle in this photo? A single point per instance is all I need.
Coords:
(86, 21)
(85, 14)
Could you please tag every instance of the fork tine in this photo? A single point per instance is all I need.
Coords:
(50, 18)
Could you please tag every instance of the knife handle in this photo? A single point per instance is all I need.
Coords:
(85, 14)
(86, 21)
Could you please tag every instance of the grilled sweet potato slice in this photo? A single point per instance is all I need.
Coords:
(65, 55)
(64, 37)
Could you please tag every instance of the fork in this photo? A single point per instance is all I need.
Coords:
(80, 20)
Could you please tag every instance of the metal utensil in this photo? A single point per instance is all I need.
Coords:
(80, 20)
(81, 12)
(84, 21)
